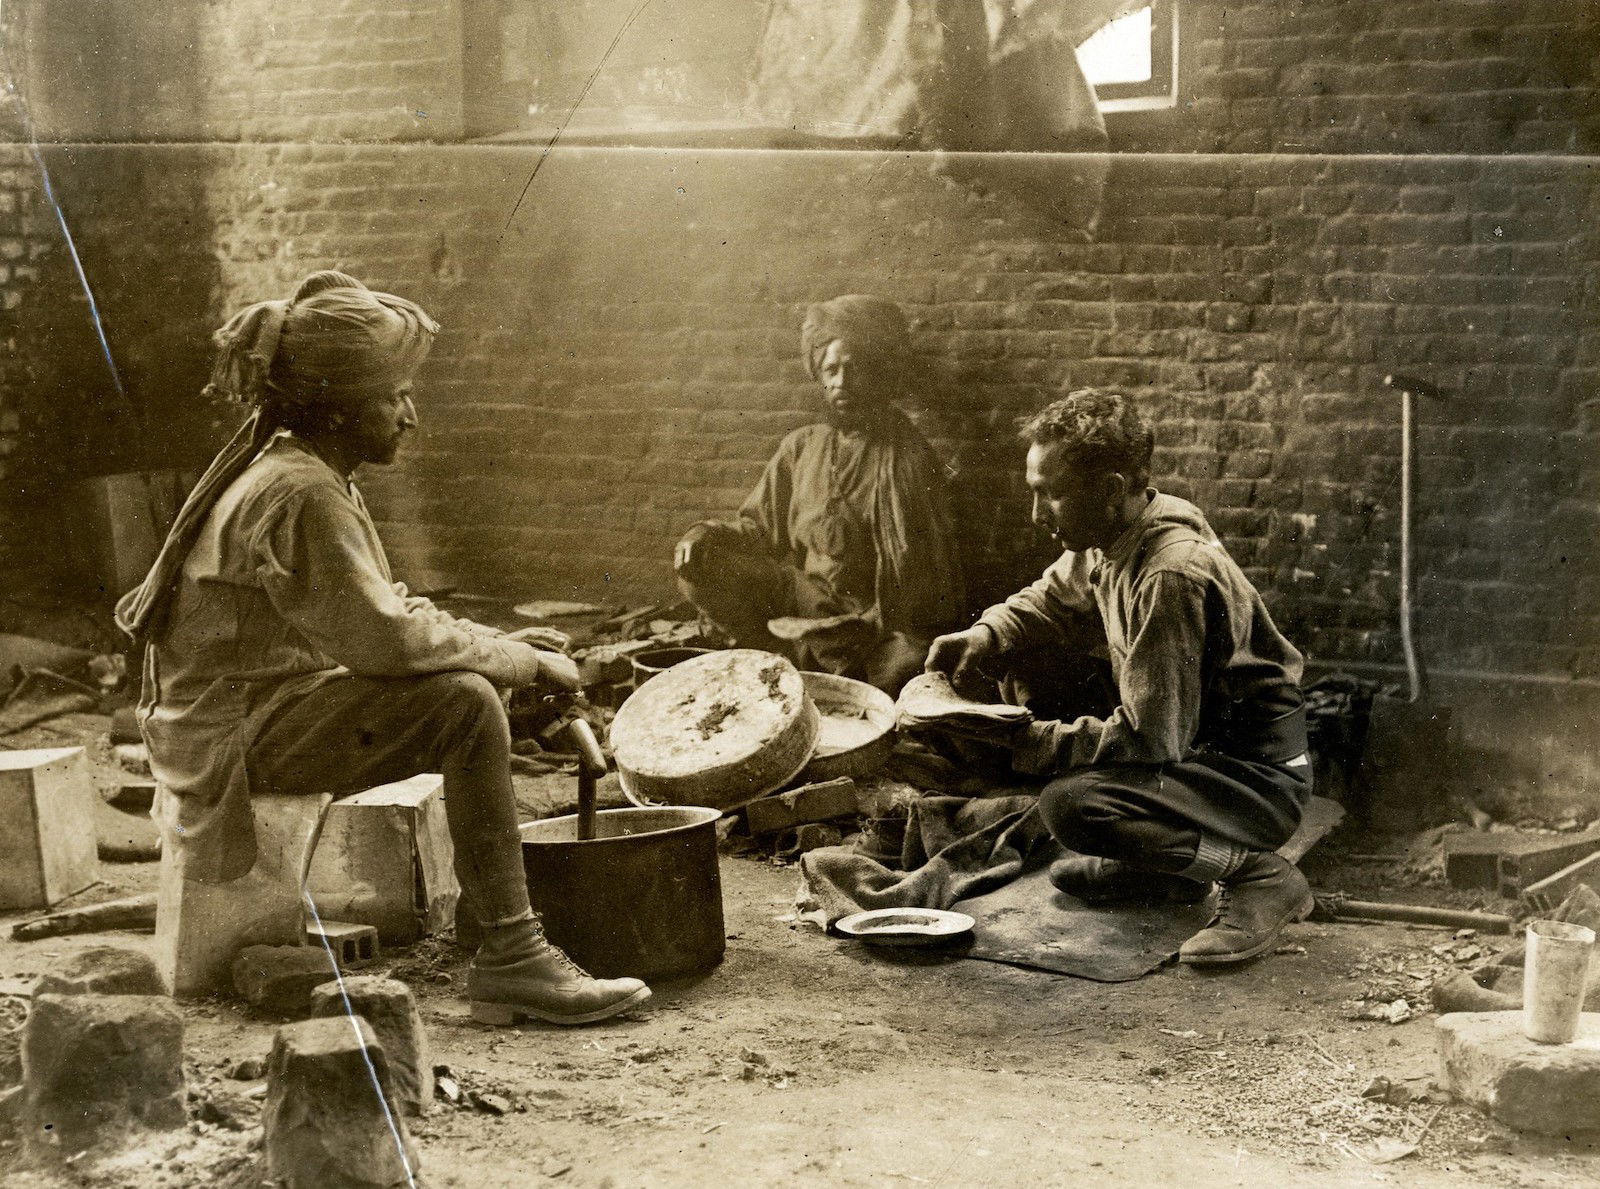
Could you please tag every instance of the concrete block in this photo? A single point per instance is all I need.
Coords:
(389, 1007)
(385, 859)
(280, 978)
(123, 836)
(201, 927)
(326, 1120)
(808, 803)
(103, 970)
(47, 842)
(1551, 1089)
(97, 1065)
(351, 944)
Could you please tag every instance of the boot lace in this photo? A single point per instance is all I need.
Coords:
(565, 960)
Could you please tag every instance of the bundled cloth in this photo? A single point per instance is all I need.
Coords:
(955, 847)
(929, 700)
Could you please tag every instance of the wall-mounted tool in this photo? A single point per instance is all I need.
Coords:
(1403, 763)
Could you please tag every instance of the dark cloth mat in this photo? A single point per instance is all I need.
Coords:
(988, 857)
(1028, 923)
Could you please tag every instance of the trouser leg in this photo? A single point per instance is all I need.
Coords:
(1198, 818)
(356, 732)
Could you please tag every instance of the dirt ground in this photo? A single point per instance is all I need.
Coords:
(805, 1059)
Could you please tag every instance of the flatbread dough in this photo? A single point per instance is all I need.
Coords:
(929, 699)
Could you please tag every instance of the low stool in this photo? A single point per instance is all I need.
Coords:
(201, 927)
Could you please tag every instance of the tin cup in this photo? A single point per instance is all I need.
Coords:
(1554, 976)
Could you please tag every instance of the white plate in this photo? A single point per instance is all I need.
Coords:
(905, 926)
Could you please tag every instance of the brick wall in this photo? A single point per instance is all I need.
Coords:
(1374, 76)
(619, 359)
(204, 70)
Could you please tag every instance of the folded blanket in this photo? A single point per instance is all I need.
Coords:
(955, 847)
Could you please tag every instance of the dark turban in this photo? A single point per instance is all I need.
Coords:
(870, 323)
(332, 344)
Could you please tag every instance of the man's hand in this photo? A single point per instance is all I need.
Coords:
(542, 638)
(958, 655)
(559, 671)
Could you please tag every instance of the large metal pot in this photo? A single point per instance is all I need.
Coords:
(643, 897)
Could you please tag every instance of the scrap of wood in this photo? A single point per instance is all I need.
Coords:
(1552, 889)
(131, 912)
(42, 695)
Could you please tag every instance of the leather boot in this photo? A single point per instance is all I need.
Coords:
(1096, 881)
(1263, 895)
(517, 974)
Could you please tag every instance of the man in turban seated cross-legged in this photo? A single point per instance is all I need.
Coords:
(281, 657)
(842, 557)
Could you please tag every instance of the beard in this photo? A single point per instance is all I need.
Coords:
(860, 418)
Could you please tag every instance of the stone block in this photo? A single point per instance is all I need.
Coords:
(389, 1007)
(808, 803)
(97, 1065)
(327, 1120)
(280, 978)
(385, 859)
(103, 970)
(1551, 1089)
(47, 843)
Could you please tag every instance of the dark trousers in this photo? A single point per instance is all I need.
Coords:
(1152, 816)
(356, 732)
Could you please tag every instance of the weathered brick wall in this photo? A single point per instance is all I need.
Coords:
(619, 360)
(27, 460)
(204, 70)
(332, 70)
(1374, 76)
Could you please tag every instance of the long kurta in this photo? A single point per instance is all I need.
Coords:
(863, 519)
(1197, 660)
(286, 588)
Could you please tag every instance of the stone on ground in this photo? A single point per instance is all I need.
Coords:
(103, 970)
(388, 1006)
(280, 978)
(97, 1065)
(325, 1122)
(1551, 1089)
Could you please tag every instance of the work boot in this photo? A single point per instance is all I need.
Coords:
(517, 974)
(1097, 881)
(1258, 900)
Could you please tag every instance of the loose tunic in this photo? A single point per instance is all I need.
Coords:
(286, 588)
(863, 519)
